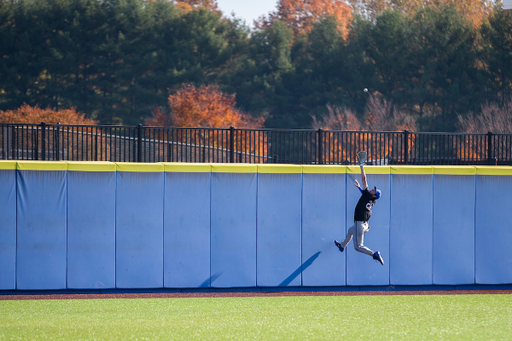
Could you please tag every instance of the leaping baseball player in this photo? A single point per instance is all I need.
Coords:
(362, 215)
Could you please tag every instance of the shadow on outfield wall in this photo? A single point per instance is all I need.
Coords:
(210, 280)
(286, 282)
(299, 270)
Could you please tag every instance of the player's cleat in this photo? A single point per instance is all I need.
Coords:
(378, 257)
(338, 244)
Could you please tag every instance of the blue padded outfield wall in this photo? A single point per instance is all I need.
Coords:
(102, 225)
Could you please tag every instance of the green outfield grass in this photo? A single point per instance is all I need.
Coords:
(429, 317)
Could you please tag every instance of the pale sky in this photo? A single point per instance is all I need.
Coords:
(247, 9)
(252, 9)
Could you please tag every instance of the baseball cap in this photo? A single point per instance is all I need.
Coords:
(377, 193)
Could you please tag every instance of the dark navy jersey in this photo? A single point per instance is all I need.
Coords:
(364, 206)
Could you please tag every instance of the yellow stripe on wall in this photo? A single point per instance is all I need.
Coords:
(280, 168)
(412, 170)
(139, 167)
(184, 167)
(42, 165)
(105, 166)
(369, 169)
(234, 168)
(324, 169)
(493, 170)
(7, 164)
(455, 170)
(92, 166)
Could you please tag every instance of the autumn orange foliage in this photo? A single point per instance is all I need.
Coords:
(28, 114)
(188, 5)
(345, 134)
(205, 106)
(76, 139)
(473, 10)
(301, 15)
(208, 107)
(492, 117)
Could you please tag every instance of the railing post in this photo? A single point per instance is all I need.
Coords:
(13, 142)
(96, 144)
(139, 142)
(57, 142)
(489, 148)
(232, 144)
(43, 139)
(3, 142)
(406, 146)
(320, 142)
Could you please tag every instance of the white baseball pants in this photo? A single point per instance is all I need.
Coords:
(357, 231)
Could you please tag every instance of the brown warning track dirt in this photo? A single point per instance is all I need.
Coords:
(248, 294)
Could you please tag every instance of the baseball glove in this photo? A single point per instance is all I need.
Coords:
(361, 157)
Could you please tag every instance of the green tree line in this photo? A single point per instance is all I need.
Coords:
(119, 60)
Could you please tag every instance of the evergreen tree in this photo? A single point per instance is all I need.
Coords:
(447, 78)
(497, 35)
(261, 75)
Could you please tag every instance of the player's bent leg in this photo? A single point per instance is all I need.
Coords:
(350, 233)
(359, 239)
(352, 229)
(364, 249)
(347, 240)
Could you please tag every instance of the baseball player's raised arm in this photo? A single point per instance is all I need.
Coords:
(363, 177)
(358, 186)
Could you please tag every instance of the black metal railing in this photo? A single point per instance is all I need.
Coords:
(297, 146)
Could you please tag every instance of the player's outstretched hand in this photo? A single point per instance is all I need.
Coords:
(357, 184)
